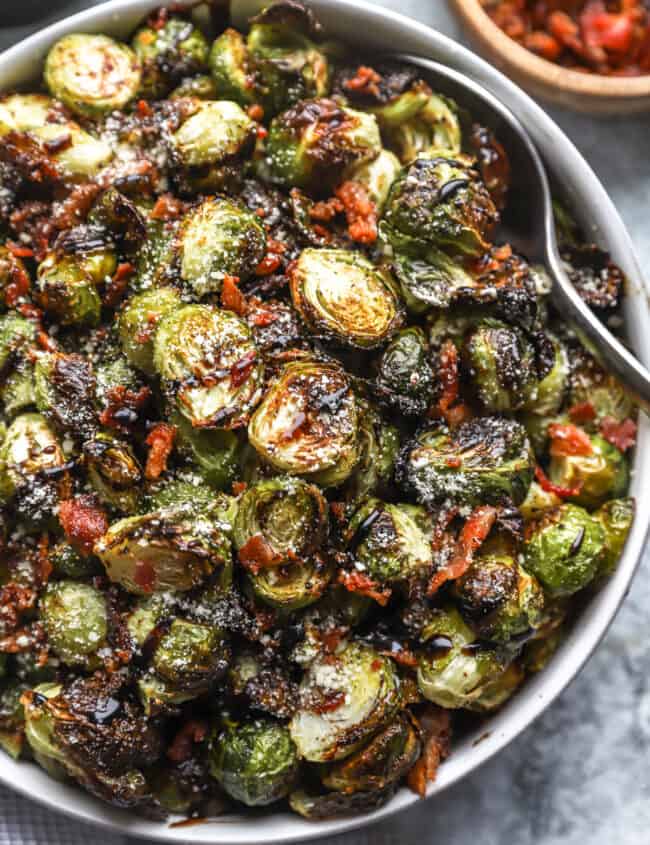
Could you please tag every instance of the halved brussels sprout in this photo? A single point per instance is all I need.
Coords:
(500, 597)
(551, 391)
(75, 619)
(30, 450)
(64, 390)
(405, 380)
(311, 145)
(293, 586)
(155, 256)
(499, 690)
(138, 321)
(501, 364)
(191, 656)
(603, 474)
(385, 759)
(564, 549)
(390, 543)
(433, 127)
(217, 238)
(345, 698)
(215, 453)
(171, 549)
(255, 761)
(208, 360)
(453, 670)
(114, 471)
(440, 202)
(287, 63)
(92, 74)
(343, 297)
(307, 424)
(16, 333)
(80, 153)
(484, 460)
(591, 385)
(217, 131)
(616, 518)
(379, 445)
(376, 176)
(68, 292)
(537, 502)
(167, 53)
(230, 68)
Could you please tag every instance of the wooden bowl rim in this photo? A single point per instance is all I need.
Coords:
(543, 71)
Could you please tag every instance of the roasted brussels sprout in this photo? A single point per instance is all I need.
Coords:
(138, 321)
(64, 389)
(12, 719)
(500, 598)
(215, 453)
(377, 176)
(311, 145)
(155, 256)
(218, 130)
(171, 549)
(549, 394)
(595, 475)
(92, 74)
(307, 424)
(439, 202)
(287, 63)
(342, 297)
(345, 698)
(67, 562)
(114, 471)
(201, 87)
(75, 619)
(389, 543)
(616, 518)
(218, 238)
(30, 455)
(596, 390)
(405, 379)
(167, 53)
(564, 549)
(501, 364)
(293, 586)
(453, 669)
(484, 460)
(67, 292)
(383, 760)
(16, 333)
(208, 360)
(537, 502)
(433, 127)
(379, 445)
(255, 762)
(231, 68)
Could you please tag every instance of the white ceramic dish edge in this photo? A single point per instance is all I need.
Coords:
(377, 28)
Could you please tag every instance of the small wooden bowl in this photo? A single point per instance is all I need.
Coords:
(583, 92)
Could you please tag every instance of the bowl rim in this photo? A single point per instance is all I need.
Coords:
(547, 74)
(579, 183)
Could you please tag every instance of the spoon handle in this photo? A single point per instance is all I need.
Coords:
(611, 353)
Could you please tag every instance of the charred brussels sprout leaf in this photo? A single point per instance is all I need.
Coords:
(92, 74)
(114, 471)
(616, 518)
(405, 380)
(217, 131)
(230, 68)
(307, 423)
(311, 145)
(168, 53)
(453, 670)
(390, 543)
(170, 549)
(219, 238)
(564, 550)
(484, 460)
(137, 324)
(75, 619)
(344, 700)
(440, 202)
(255, 762)
(343, 297)
(210, 364)
(602, 474)
(64, 389)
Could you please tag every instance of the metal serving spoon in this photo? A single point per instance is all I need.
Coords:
(530, 223)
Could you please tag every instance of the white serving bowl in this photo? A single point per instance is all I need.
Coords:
(370, 27)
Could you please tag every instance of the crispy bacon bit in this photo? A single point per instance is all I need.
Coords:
(116, 288)
(238, 487)
(28, 156)
(435, 729)
(167, 207)
(46, 342)
(191, 733)
(269, 264)
(473, 533)
(144, 109)
(582, 412)
(144, 576)
(357, 582)
(158, 18)
(622, 435)
(19, 251)
(242, 369)
(255, 112)
(448, 377)
(75, 206)
(327, 701)
(365, 81)
(326, 210)
(160, 442)
(57, 145)
(83, 522)
(360, 212)
(15, 599)
(337, 509)
(261, 316)
(231, 297)
(123, 408)
(547, 485)
(257, 554)
(568, 440)
(19, 285)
